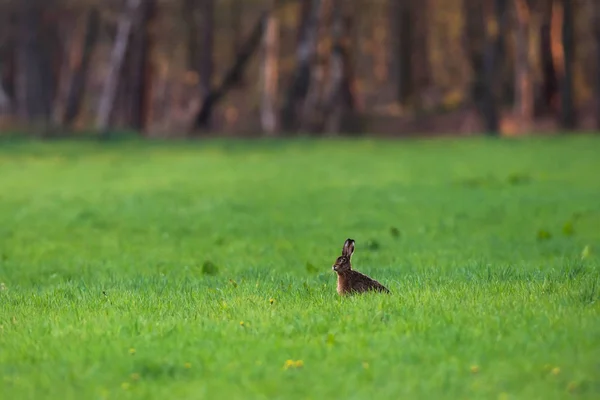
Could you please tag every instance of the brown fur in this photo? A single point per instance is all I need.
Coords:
(350, 281)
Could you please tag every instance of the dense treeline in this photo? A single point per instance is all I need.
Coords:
(282, 67)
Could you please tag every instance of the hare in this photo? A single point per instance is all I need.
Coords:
(350, 281)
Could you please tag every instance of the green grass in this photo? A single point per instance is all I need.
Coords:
(128, 268)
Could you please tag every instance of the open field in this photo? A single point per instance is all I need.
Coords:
(158, 271)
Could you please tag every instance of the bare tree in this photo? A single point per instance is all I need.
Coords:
(496, 15)
(140, 71)
(236, 10)
(80, 41)
(71, 32)
(107, 99)
(548, 94)
(305, 55)
(33, 76)
(7, 62)
(568, 118)
(524, 101)
(401, 25)
(312, 109)
(81, 63)
(421, 67)
(484, 27)
(200, 25)
(340, 111)
(248, 48)
(270, 75)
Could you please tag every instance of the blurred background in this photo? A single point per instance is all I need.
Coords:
(247, 68)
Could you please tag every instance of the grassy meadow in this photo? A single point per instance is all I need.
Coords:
(203, 270)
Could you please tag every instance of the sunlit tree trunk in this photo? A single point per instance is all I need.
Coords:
(141, 67)
(524, 100)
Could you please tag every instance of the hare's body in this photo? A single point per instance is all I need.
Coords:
(350, 281)
(353, 281)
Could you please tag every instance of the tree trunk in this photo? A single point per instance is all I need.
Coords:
(7, 64)
(562, 55)
(549, 91)
(596, 7)
(340, 107)
(312, 117)
(5, 103)
(107, 99)
(81, 63)
(232, 76)
(568, 118)
(200, 47)
(34, 90)
(236, 13)
(420, 51)
(192, 34)
(473, 36)
(401, 25)
(484, 27)
(524, 100)
(305, 55)
(304, 16)
(496, 21)
(270, 75)
(141, 67)
(71, 27)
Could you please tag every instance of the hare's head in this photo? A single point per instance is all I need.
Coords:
(342, 263)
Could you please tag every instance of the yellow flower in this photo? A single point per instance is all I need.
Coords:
(474, 369)
(241, 323)
(187, 365)
(555, 371)
(271, 301)
(132, 351)
(293, 364)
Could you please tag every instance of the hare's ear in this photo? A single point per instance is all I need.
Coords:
(348, 248)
